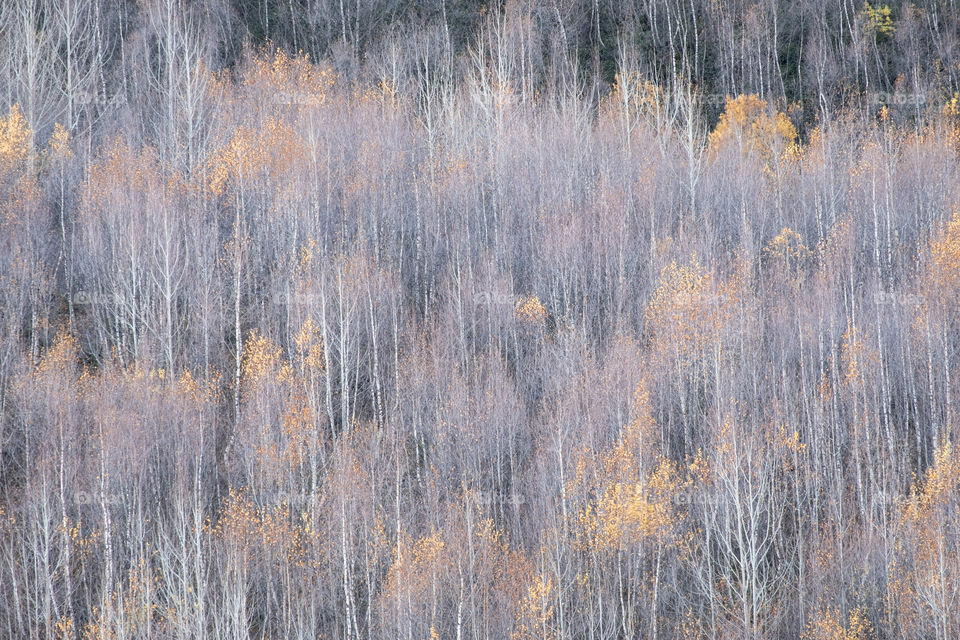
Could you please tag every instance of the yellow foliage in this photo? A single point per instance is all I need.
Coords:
(747, 122)
(877, 20)
(536, 611)
(19, 191)
(60, 142)
(852, 352)
(680, 292)
(788, 249)
(623, 505)
(829, 625)
(298, 421)
(15, 139)
(196, 391)
(626, 514)
(634, 93)
(229, 160)
(942, 485)
(60, 356)
(925, 578)
(253, 531)
(384, 93)
(639, 435)
(141, 582)
(792, 441)
(951, 108)
(274, 392)
(531, 311)
(128, 181)
(687, 311)
(417, 565)
(236, 519)
(63, 629)
(260, 359)
(945, 257)
(310, 346)
(269, 151)
(126, 612)
(293, 81)
(307, 256)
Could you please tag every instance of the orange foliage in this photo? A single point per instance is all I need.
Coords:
(633, 96)
(18, 185)
(925, 576)
(787, 249)
(627, 514)
(310, 346)
(59, 143)
(269, 532)
(268, 152)
(15, 140)
(624, 504)
(417, 565)
(829, 625)
(261, 360)
(536, 612)
(126, 186)
(688, 311)
(748, 123)
(531, 311)
(944, 270)
(287, 80)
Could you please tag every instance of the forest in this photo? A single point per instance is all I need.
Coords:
(530, 319)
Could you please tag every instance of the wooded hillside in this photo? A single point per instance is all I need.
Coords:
(383, 319)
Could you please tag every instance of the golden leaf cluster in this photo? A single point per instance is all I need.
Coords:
(128, 181)
(292, 80)
(687, 311)
(261, 359)
(310, 346)
(788, 249)
(925, 576)
(536, 611)
(269, 531)
(416, 565)
(747, 122)
(945, 257)
(636, 93)
(15, 139)
(60, 142)
(852, 352)
(264, 152)
(531, 311)
(878, 20)
(624, 505)
(627, 514)
(951, 107)
(19, 192)
(60, 356)
(830, 625)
